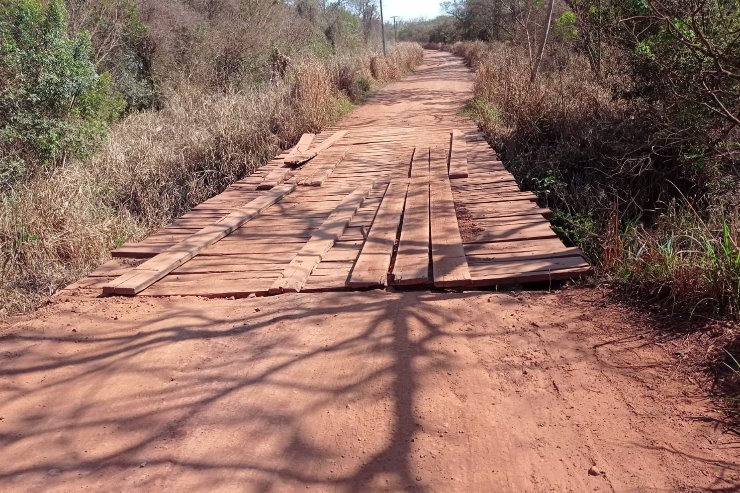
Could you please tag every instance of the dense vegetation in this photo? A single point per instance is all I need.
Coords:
(624, 117)
(118, 115)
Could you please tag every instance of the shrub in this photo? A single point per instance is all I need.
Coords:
(53, 104)
(120, 45)
(619, 186)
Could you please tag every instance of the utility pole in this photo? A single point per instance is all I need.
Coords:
(395, 30)
(382, 27)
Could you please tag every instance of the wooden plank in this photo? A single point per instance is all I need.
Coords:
(539, 246)
(302, 157)
(502, 221)
(412, 260)
(487, 258)
(458, 156)
(304, 143)
(223, 247)
(274, 178)
(449, 265)
(215, 265)
(371, 268)
(137, 251)
(523, 212)
(342, 254)
(316, 284)
(499, 198)
(489, 179)
(296, 273)
(114, 268)
(438, 163)
(156, 268)
(224, 285)
(483, 194)
(325, 170)
(529, 270)
(522, 231)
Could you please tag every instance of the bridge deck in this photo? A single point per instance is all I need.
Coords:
(414, 206)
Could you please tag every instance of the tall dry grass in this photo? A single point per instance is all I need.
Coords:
(156, 165)
(663, 227)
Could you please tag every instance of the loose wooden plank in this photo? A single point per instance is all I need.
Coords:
(323, 172)
(489, 179)
(531, 277)
(458, 156)
(529, 270)
(480, 213)
(487, 258)
(302, 157)
(297, 272)
(114, 268)
(316, 284)
(526, 245)
(342, 254)
(449, 265)
(371, 268)
(223, 247)
(156, 268)
(438, 163)
(224, 285)
(215, 265)
(499, 198)
(412, 259)
(522, 231)
(304, 143)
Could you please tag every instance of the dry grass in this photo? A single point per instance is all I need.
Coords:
(53, 229)
(157, 165)
(684, 262)
(591, 158)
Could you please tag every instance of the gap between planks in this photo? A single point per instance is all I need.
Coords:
(373, 264)
(411, 266)
(458, 156)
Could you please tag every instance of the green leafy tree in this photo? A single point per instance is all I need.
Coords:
(53, 103)
(120, 44)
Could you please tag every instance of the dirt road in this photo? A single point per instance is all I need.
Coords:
(366, 391)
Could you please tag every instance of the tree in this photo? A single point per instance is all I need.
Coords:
(53, 103)
(543, 42)
(120, 44)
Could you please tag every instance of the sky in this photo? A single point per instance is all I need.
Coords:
(411, 9)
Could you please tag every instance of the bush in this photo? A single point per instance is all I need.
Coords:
(121, 46)
(620, 187)
(53, 104)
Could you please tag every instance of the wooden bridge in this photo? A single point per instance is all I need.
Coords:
(355, 207)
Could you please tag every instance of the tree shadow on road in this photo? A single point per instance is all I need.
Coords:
(127, 399)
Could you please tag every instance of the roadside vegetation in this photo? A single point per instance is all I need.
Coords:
(624, 118)
(118, 115)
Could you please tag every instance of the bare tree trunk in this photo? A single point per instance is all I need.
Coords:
(541, 52)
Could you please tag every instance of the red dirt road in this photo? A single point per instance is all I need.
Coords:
(353, 392)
